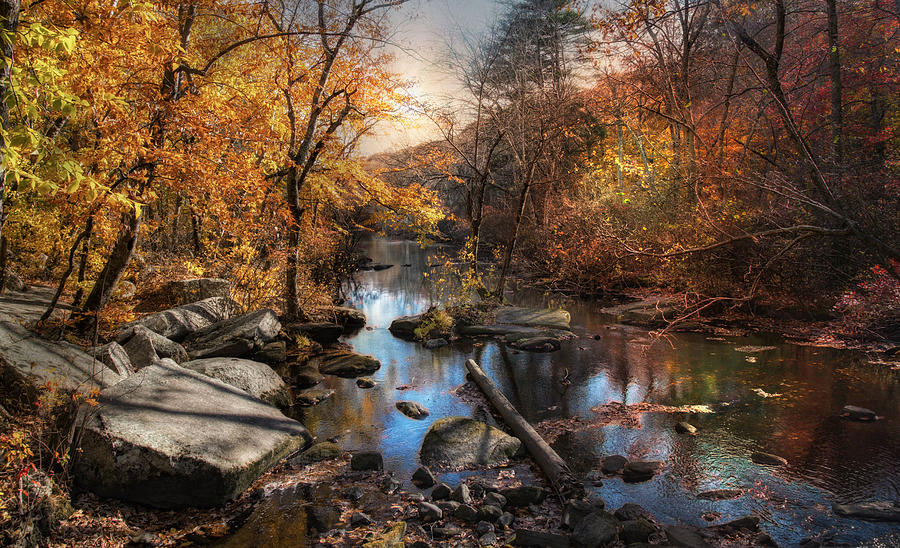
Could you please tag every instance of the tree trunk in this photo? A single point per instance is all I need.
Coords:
(112, 271)
(507, 259)
(4, 253)
(82, 265)
(9, 19)
(70, 265)
(834, 69)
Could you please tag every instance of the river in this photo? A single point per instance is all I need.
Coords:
(830, 459)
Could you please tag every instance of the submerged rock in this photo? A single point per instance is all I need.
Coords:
(637, 471)
(613, 464)
(255, 378)
(309, 398)
(462, 441)
(869, 511)
(858, 414)
(316, 453)
(171, 437)
(412, 409)
(307, 377)
(767, 459)
(433, 344)
(537, 344)
(721, 494)
(348, 364)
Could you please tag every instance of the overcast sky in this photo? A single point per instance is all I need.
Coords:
(425, 31)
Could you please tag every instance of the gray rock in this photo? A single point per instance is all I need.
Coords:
(462, 441)
(359, 519)
(31, 361)
(767, 459)
(858, 414)
(524, 495)
(721, 494)
(429, 512)
(466, 513)
(272, 353)
(235, 337)
(412, 409)
(596, 530)
(365, 382)
(869, 511)
(539, 539)
(638, 471)
(316, 453)
(461, 494)
(575, 511)
(423, 478)
(307, 377)
(405, 326)
(483, 528)
(448, 531)
(488, 539)
(348, 364)
(309, 398)
(613, 464)
(255, 378)
(196, 289)
(533, 317)
(506, 519)
(367, 460)
(390, 486)
(321, 332)
(177, 323)
(354, 494)
(630, 511)
(171, 437)
(441, 492)
(637, 530)
(448, 506)
(164, 347)
(537, 344)
(685, 537)
(495, 499)
(113, 356)
(124, 291)
(685, 428)
(141, 351)
(746, 523)
(433, 344)
(489, 512)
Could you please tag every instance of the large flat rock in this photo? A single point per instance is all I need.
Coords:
(257, 379)
(36, 362)
(348, 364)
(171, 437)
(177, 323)
(235, 337)
(533, 317)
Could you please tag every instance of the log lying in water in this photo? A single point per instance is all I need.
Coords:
(553, 466)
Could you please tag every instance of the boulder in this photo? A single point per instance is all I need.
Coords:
(461, 494)
(272, 353)
(348, 364)
(429, 512)
(462, 441)
(489, 513)
(32, 361)
(141, 351)
(316, 453)
(307, 377)
(171, 437)
(537, 344)
(441, 492)
(162, 346)
(466, 513)
(637, 471)
(365, 382)
(524, 495)
(613, 464)
(423, 478)
(405, 326)
(235, 337)
(767, 459)
(178, 323)
(113, 356)
(412, 409)
(596, 530)
(367, 460)
(255, 378)
(309, 398)
(858, 414)
(533, 317)
(344, 315)
(196, 289)
(870, 511)
(321, 332)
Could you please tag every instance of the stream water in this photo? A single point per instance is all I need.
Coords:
(830, 459)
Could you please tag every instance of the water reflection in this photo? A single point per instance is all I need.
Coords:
(831, 460)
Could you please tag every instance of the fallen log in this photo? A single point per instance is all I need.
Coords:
(553, 466)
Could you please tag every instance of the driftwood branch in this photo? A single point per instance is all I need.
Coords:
(553, 466)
